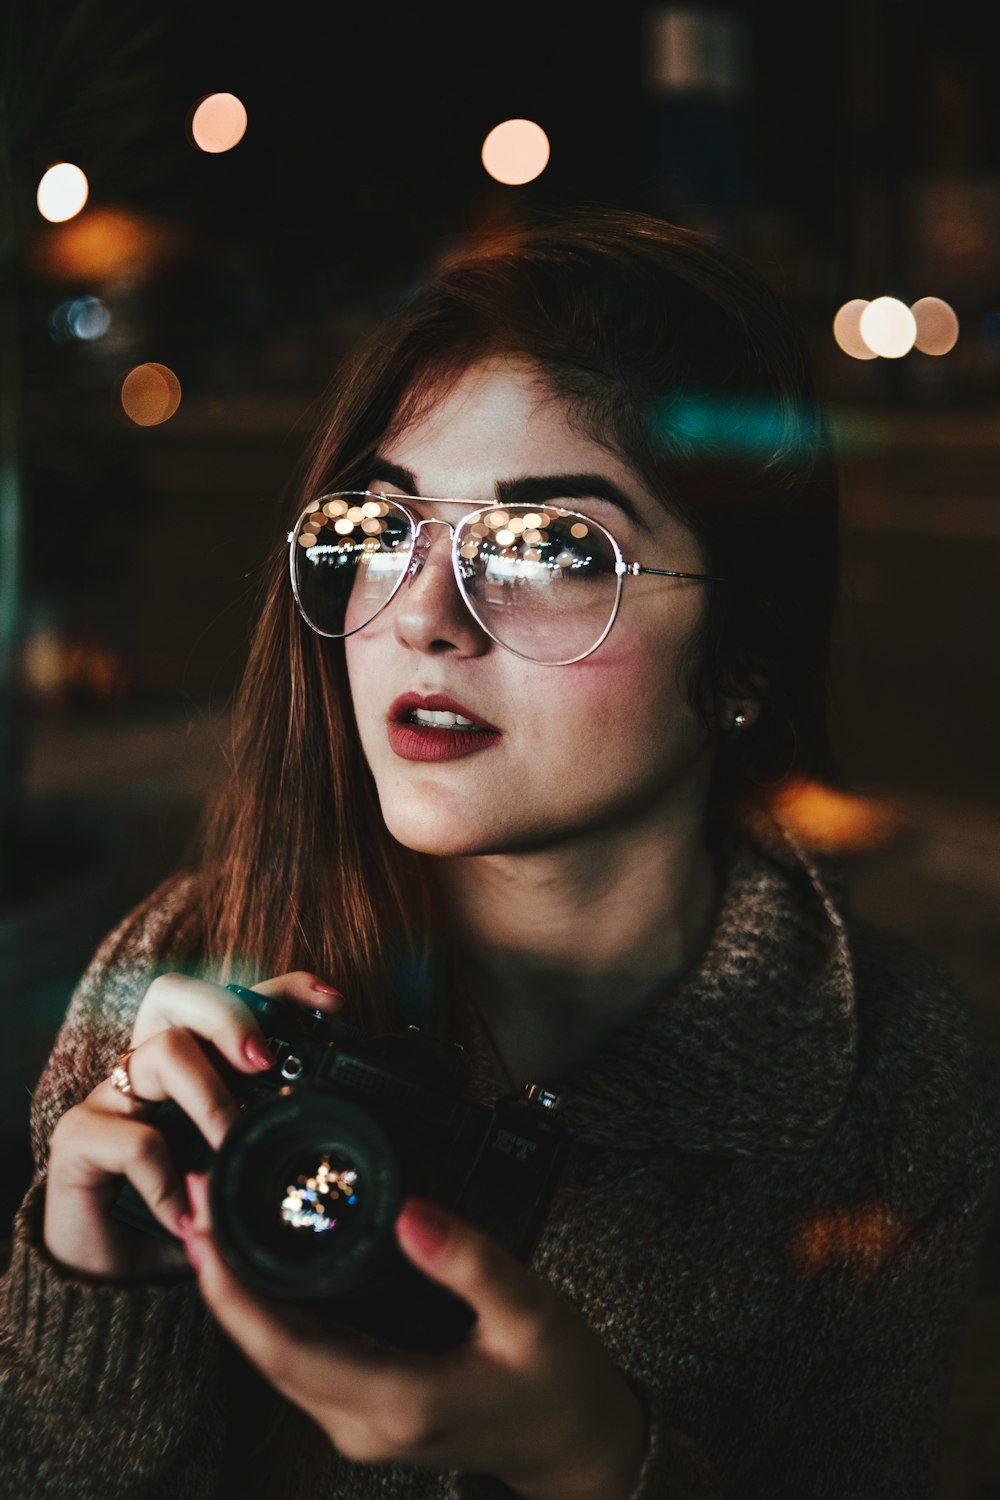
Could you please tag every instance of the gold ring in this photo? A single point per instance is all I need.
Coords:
(119, 1079)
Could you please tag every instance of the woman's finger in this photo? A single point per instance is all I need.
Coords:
(512, 1302)
(210, 1010)
(105, 1146)
(301, 988)
(221, 1017)
(174, 1065)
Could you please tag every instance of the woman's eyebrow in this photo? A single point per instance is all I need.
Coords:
(537, 488)
(531, 489)
(382, 469)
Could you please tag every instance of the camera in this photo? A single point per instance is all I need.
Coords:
(307, 1184)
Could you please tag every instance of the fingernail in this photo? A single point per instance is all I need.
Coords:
(425, 1225)
(327, 989)
(258, 1052)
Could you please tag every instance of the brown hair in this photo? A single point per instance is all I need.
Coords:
(681, 360)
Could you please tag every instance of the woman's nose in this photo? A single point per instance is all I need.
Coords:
(430, 613)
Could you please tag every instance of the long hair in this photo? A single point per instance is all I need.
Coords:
(678, 358)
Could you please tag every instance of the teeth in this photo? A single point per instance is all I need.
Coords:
(432, 718)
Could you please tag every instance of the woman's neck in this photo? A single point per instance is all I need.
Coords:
(558, 946)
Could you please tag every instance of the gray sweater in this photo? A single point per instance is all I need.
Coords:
(782, 1178)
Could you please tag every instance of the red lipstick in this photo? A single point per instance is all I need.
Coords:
(412, 741)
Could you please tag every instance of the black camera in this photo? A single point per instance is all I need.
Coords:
(307, 1184)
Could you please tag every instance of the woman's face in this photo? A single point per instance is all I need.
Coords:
(596, 744)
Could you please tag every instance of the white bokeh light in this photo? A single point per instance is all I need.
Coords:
(62, 192)
(516, 151)
(888, 327)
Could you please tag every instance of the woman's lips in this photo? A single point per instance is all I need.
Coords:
(418, 742)
(412, 741)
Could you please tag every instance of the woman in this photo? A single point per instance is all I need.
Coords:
(562, 578)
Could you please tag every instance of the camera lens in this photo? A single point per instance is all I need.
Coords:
(304, 1195)
(322, 1196)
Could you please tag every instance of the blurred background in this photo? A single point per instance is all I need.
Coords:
(259, 187)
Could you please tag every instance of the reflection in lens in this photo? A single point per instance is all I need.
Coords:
(321, 1198)
(548, 594)
(343, 578)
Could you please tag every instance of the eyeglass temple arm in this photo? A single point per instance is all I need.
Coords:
(636, 568)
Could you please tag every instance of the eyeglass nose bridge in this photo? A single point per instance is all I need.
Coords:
(422, 544)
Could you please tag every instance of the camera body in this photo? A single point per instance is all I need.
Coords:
(307, 1184)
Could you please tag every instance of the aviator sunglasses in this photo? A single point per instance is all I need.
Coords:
(543, 581)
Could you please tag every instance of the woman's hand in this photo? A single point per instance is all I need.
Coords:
(108, 1136)
(532, 1397)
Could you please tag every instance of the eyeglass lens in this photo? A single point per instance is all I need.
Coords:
(540, 580)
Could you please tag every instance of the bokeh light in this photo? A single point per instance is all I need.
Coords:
(937, 325)
(106, 244)
(150, 394)
(218, 123)
(62, 192)
(847, 329)
(836, 822)
(516, 151)
(84, 318)
(888, 327)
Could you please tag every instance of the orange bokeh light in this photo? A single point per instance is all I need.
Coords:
(104, 245)
(516, 151)
(150, 394)
(835, 822)
(862, 1237)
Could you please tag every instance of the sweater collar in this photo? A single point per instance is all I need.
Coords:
(752, 1052)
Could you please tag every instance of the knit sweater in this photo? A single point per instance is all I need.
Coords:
(782, 1175)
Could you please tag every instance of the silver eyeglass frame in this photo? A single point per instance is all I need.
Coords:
(623, 569)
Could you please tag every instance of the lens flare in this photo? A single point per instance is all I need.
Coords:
(516, 151)
(62, 192)
(218, 123)
(150, 394)
(937, 325)
(888, 327)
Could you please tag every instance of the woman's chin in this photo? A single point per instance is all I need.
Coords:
(444, 841)
(452, 832)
